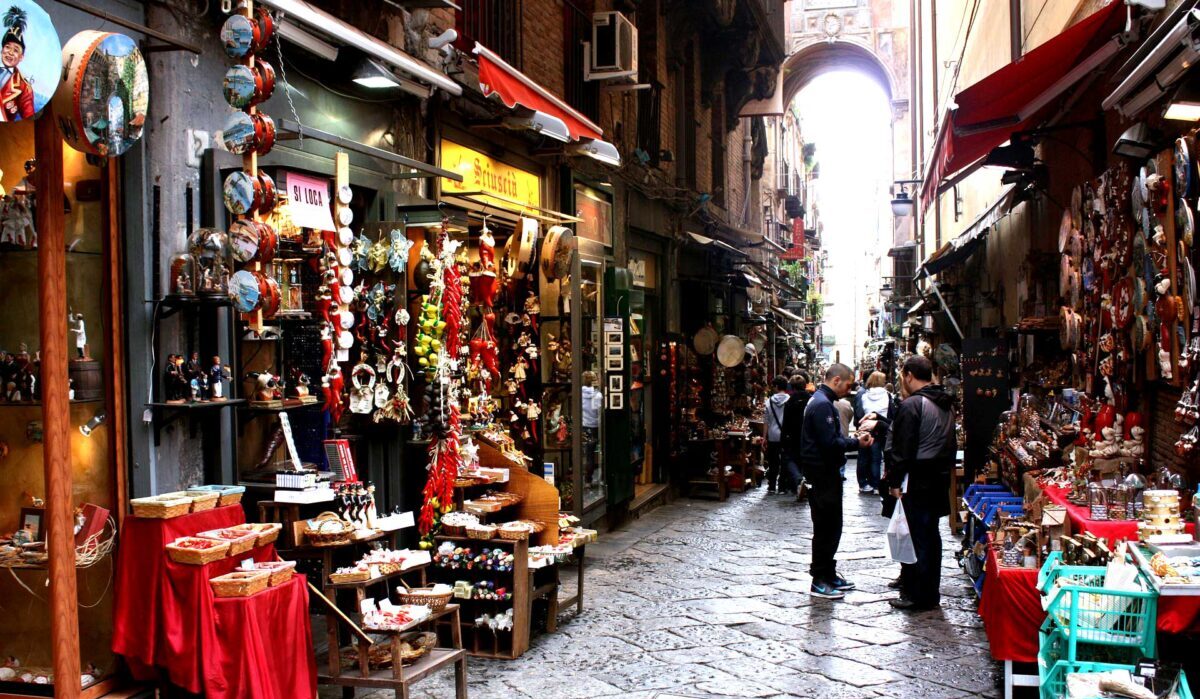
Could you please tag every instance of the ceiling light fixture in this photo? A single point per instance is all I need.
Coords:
(596, 149)
(1137, 142)
(539, 123)
(1185, 103)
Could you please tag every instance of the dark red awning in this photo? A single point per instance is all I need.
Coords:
(1012, 98)
(512, 87)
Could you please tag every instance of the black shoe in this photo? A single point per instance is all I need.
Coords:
(843, 585)
(895, 584)
(907, 605)
(770, 491)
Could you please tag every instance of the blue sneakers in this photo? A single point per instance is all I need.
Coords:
(825, 590)
(843, 585)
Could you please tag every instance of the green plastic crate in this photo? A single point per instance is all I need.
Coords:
(1088, 613)
(1053, 679)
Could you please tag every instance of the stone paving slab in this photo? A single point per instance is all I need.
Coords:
(703, 600)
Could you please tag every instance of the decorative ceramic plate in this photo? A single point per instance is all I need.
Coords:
(345, 195)
(244, 239)
(345, 216)
(238, 133)
(101, 105)
(345, 236)
(239, 36)
(1185, 225)
(241, 86)
(1064, 230)
(1183, 168)
(240, 193)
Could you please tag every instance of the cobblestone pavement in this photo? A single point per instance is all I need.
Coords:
(707, 599)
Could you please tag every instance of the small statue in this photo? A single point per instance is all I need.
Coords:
(195, 375)
(217, 376)
(174, 384)
(76, 325)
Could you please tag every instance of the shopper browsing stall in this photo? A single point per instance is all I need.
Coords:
(921, 447)
(822, 455)
(874, 400)
(773, 429)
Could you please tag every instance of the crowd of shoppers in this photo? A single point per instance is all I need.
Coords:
(905, 447)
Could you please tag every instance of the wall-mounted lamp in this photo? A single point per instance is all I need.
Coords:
(596, 149)
(373, 75)
(1185, 103)
(1138, 142)
(540, 123)
(902, 203)
(91, 425)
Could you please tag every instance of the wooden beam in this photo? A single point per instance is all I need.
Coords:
(115, 336)
(56, 408)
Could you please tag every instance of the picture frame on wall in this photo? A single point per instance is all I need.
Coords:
(614, 363)
(616, 383)
(616, 401)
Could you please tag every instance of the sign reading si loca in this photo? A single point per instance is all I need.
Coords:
(308, 202)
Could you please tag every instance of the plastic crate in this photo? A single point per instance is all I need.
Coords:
(1088, 613)
(1053, 680)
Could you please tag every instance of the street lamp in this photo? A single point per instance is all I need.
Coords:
(902, 203)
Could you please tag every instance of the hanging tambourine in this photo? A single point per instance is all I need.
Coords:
(245, 289)
(705, 341)
(1185, 225)
(1076, 210)
(34, 55)
(1064, 275)
(101, 106)
(1065, 227)
(731, 351)
(558, 253)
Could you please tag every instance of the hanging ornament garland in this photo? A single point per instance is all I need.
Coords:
(442, 311)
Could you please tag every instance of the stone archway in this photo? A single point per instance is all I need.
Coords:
(820, 57)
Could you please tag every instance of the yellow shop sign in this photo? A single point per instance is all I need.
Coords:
(488, 179)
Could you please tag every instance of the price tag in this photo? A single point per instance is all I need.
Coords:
(309, 202)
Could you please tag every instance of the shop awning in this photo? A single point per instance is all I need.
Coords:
(958, 250)
(1011, 99)
(513, 88)
(705, 241)
(787, 314)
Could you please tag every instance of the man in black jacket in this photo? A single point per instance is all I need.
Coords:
(921, 446)
(793, 422)
(822, 455)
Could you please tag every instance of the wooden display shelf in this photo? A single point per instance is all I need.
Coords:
(375, 581)
(437, 659)
(521, 601)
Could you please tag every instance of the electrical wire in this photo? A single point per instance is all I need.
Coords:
(1025, 39)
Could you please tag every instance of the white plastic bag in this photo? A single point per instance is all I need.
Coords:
(900, 543)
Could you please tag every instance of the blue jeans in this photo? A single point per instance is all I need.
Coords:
(870, 466)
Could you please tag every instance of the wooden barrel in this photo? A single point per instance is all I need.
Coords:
(86, 379)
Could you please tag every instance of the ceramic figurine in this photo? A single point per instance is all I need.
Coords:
(217, 376)
(77, 326)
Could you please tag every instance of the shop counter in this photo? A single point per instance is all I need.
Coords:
(168, 624)
(1109, 530)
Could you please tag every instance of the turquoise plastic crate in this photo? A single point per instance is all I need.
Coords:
(1052, 561)
(1088, 613)
(1053, 680)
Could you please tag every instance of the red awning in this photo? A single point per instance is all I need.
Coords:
(1012, 98)
(512, 87)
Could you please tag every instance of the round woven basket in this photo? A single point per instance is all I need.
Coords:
(425, 596)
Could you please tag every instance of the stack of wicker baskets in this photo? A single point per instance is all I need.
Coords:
(240, 583)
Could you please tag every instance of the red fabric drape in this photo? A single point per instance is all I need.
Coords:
(1111, 532)
(167, 622)
(1011, 609)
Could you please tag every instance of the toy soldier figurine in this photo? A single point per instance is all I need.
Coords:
(16, 93)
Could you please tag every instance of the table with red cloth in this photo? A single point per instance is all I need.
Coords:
(1111, 531)
(1011, 609)
(168, 623)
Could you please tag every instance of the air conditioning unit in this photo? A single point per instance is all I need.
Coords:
(612, 52)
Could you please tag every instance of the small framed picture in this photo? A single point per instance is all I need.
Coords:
(616, 401)
(614, 338)
(614, 351)
(616, 383)
(32, 522)
(614, 364)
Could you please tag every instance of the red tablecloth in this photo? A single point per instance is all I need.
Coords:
(1011, 608)
(1111, 532)
(167, 621)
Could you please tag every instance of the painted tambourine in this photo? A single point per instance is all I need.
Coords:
(1185, 225)
(1065, 226)
(29, 37)
(101, 106)
(245, 289)
(558, 251)
(1064, 275)
(1183, 168)
(1076, 210)
(731, 351)
(705, 341)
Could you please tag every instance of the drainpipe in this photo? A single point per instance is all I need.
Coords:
(747, 146)
(1014, 30)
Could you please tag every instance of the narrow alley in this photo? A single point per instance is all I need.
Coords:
(710, 599)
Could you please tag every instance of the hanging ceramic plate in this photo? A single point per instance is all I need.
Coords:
(345, 236)
(345, 257)
(244, 238)
(101, 106)
(345, 194)
(1064, 230)
(1183, 168)
(346, 320)
(39, 68)
(345, 216)
(1185, 225)
(1123, 303)
(245, 290)
(241, 86)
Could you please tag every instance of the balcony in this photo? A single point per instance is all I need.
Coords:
(494, 23)
(788, 182)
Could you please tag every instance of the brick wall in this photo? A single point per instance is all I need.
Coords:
(542, 34)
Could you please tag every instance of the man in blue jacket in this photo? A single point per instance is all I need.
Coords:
(822, 456)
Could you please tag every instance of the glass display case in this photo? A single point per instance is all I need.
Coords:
(591, 372)
(94, 371)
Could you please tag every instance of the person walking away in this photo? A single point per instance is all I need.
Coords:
(790, 478)
(922, 450)
(593, 398)
(823, 449)
(875, 400)
(773, 430)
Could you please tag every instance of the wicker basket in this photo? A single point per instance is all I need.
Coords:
(355, 577)
(280, 571)
(328, 529)
(197, 557)
(226, 494)
(238, 545)
(268, 532)
(513, 534)
(161, 507)
(240, 583)
(202, 501)
(484, 532)
(452, 530)
(425, 596)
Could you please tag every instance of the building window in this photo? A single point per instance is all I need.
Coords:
(577, 28)
(649, 129)
(494, 23)
(718, 150)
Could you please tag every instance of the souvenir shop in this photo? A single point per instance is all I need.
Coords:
(1080, 518)
(398, 393)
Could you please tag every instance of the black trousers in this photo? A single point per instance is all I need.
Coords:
(774, 459)
(922, 581)
(825, 504)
